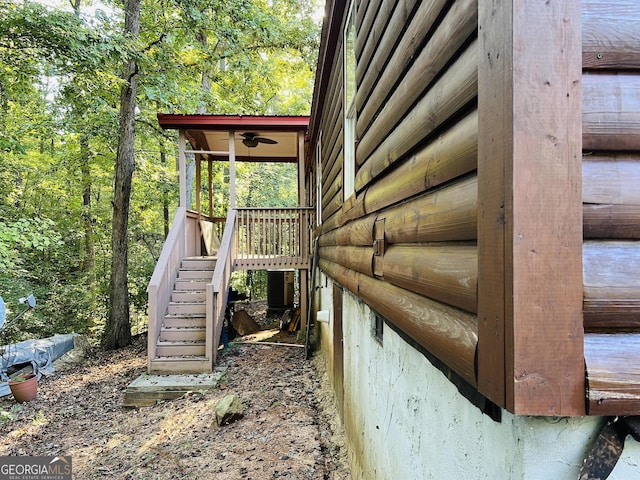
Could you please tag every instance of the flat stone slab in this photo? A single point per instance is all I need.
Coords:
(149, 389)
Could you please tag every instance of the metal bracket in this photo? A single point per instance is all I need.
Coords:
(379, 247)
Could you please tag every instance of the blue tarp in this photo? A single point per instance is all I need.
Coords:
(39, 353)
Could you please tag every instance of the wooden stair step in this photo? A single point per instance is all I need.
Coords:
(190, 285)
(184, 308)
(178, 365)
(195, 274)
(182, 334)
(184, 321)
(188, 296)
(198, 263)
(177, 349)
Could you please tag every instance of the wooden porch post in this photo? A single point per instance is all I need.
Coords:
(232, 169)
(182, 169)
(210, 184)
(304, 235)
(198, 159)
(530, 335)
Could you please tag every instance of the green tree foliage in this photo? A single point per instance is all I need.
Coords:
(60, 87)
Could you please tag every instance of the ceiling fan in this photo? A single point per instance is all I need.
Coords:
(252, 139)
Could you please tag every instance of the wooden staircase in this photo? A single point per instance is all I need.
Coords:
(181, 344)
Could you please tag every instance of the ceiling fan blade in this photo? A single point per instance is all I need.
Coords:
(269, 141)
(251, 139)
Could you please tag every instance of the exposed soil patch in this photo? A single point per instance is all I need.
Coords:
(287, 430)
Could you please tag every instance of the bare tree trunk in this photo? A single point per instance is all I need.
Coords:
(87, 216)
(118, 329)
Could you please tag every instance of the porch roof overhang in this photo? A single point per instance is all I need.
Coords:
(210, 133)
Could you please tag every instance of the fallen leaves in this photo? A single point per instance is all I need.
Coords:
(284, 433)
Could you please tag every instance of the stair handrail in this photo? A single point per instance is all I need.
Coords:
(163, 278)
(217, 289)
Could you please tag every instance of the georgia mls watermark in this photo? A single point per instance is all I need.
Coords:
(35, 468)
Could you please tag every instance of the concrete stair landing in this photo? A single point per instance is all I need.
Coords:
(147, 390)
(181, 345)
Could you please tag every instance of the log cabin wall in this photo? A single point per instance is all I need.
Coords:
(466, 227)
(611, 205)
(405, 242)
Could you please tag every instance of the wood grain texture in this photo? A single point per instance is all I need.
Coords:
(451, 155)
(611, 111)
(610, 34)
(448, 274)
(611, 180)
(446, 332)
(449, 214)
(611, 285)
(359, 259)
(611, 221)
(530, 207)
(388, 24)
(455, 89)
(613, 373)
(366, 13)
(611, 196)
(391, 61)
(459, 24)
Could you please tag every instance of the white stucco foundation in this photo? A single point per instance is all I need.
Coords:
(405, 420)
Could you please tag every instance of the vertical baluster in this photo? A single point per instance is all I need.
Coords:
(263, 228)
(291, 239)
(248, 233)
(279, 250)
(269, 214)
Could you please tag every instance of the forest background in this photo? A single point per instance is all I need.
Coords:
(69, 73)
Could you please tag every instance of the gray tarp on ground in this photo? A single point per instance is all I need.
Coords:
(39, 353)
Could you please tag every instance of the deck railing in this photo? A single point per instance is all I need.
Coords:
(275, 238)
(164, 277)
(217, 290)
(253, 238)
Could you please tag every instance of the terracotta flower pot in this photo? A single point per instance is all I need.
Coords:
(24, 390)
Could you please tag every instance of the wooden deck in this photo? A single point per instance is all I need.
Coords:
(188, 291)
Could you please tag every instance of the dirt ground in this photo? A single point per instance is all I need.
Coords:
(289, 429)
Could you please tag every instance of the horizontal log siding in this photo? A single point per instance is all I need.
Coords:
(332, 148)
(386, 23)
(610, 34)
(332, 144)
(368, 8)
(359, 259)
(448, 333)
(448, 214)
(611, 221)
(613, 380)
(457, 87)
(611, 179)
(611, 111)
(392, 63)
(453, 154)
(611, 196)
(611, 209)
(427, 277)
(448, 274)
(612, 285)
(458, 25)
